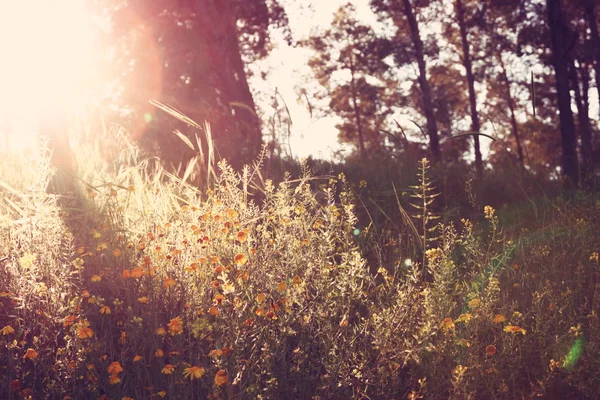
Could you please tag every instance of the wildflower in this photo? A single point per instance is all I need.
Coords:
(490, 349)
(475, 303)
(463, 318)
(240, 259)
(85, 294)
(85, 332)
(297, 280)
(114, 379)
(105, 310)
(159, 353)
(260, 298)
(114, 368)
(137, 358)
(161, 331)
(175, 326)
(514, 329)
(221, 378)
(193, 372)
(30, 354)
(169, 282)
(191, 268)
(489, 212)
(260, 311)
(102, 246)
(168, 369)
(117, 252)
(96, 234)
(214, 311)
(499, 318)
(447, 324)
(241, 236)
(162, 394)
(232, 214)
(282, 286)
(143, 299)
(7, 330)
(126, 274)
(215, 353)
(137, 272)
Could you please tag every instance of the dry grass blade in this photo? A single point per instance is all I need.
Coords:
(184, 139)
(407, 219)
(175, 113)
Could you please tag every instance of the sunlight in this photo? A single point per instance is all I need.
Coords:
(46, 52)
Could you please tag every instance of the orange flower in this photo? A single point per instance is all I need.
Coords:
(114, 368)
(215, 353)
(105, 310)
(159, 353)
(259, 311)
(169, 282)
(499, 318)
(475, 303)
(143, 299)
(463, 318)
(232, 214)
(194, 372)
(282, 286)
(137, 358)
(96, 278)
(214, 311)
(162, 394)
(191, 268)
(126, 274)
(7, 330)
(514, 329)
(30, 354)
(161, 331)
(241, 236)
(117, 252)
(137, 272)
(490, 350)
(447, 324)
(168, 369)
(114, 379)
(85, 294)
(260, 297)
(85, 332)
(221, 378)
(175, 326)
(240, 259)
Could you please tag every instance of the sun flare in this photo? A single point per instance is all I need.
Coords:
(46, 51)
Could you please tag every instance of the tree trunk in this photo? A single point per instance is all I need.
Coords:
(475, 125)
(434, 141)
(560, 59)
(585, 127)
(511, 109)
(359, 128)
(595, 39)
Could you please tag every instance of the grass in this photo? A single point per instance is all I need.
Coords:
(210, 283)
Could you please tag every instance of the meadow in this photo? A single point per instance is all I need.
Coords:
(129, 280)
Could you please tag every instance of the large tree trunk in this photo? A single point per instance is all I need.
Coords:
(560, 58)
(511, 108)
(432, 132)
(475, 125)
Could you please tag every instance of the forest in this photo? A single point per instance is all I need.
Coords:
(297, 199)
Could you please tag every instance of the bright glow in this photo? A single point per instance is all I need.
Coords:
(46, 49)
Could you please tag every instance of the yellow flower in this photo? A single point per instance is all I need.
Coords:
(102, 246)
(499, 318)
(475, 303)
(169, 282)
(161, 331)
(463, 318)
(168, 369)
(447, 324)
(175, 326)
(7, 330)
(143, 299)
(117, 252)
(114, 368)
(162, 394)
(105, 310)
(30, 354)
(137, 358)
(241, 236)
(194, 372)
(96, 234)
(96, 278)
(514, 329)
